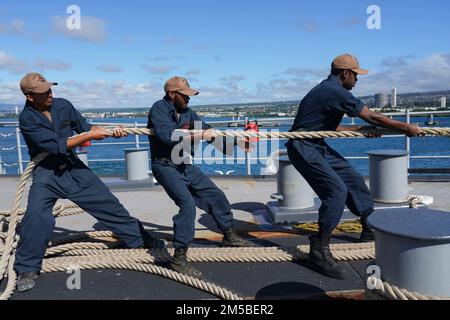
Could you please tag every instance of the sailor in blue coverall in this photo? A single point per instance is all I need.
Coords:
(46, 125)
(334, 180)
(185, 184)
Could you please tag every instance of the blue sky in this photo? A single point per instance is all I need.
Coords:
(233, 51)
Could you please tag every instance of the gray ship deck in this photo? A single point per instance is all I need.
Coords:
(248, 196)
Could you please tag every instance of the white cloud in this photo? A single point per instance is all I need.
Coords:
(16, 66)
(353, 21)
(218, 58)
(284, 89)
(17, 28)
(128, 40)
(231, 82)
(409, 75)
(227, 90)
(58, 65)
(109, 68)
(11, 64)
(216, 44)
(158, 69)
(309, 26)
(171, 41)
(193, 72)
(308, 73)
(109, 94)
(92, 29)
(14, 27)
(10, 94)
(397, 61)
(160, 58)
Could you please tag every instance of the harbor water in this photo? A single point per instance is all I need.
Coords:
(212, 162)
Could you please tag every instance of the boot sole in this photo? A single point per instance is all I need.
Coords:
(160, 244)
(25, 287)
(366, 238)
(228, 245)
(314, 267)
(182, 271)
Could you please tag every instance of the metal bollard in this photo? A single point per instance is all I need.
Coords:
(296, 199)
(293, 190)
(411, 249)
(388, 174)
(83, 156)
(137, 163)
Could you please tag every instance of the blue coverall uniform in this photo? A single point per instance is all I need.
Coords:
(334, 180)
(185, 184)
(61, 175)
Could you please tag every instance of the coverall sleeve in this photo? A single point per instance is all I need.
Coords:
(43, 138)
(80, 123)
(349, 104)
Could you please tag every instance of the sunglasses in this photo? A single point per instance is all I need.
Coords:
(44, 93)
(354, 73)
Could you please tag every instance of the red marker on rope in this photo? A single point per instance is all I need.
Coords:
(252, 127)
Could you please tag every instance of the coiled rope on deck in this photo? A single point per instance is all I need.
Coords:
(99, 255)
(412, 201)
(392, 292)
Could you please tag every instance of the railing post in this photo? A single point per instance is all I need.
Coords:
(136, 136)
(248, 163)
(1, 164)
(407, 139)
(19, 149)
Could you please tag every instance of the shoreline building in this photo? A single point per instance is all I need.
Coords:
(443, 102)
(381, 100)
(394, 98)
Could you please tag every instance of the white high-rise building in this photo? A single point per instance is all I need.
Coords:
(394, 97)
(443, 102)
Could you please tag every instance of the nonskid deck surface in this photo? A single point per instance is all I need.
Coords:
(271, 280)
(248, 196)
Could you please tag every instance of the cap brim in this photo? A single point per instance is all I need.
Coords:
(189, 92)
(361, 71)
(45, 86)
